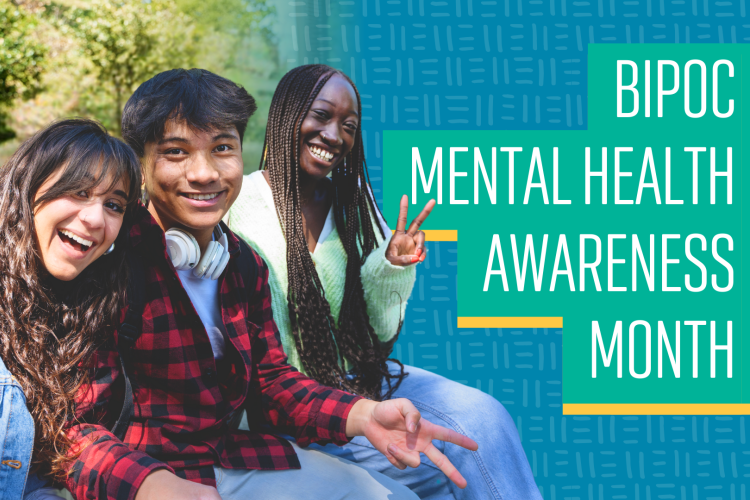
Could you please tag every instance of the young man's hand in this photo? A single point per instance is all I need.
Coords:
(396, 430)
(163, 485)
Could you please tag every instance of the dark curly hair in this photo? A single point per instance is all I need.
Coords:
(47, 338)
(322, 344)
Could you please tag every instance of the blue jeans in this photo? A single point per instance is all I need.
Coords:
(321, 477)
(498, 470)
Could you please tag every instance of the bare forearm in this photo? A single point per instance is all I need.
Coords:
(163, 485)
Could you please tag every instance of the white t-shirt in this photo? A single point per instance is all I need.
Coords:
(204, 294)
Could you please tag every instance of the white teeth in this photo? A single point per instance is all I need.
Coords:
(80, 240)
(321, 153)
(202, 196)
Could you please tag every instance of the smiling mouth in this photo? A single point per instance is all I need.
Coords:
(75, 241)
(321, 154)
(202, 197)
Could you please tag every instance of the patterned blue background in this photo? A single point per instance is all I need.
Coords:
(521, 64)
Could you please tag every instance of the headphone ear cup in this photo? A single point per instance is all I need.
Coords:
(206, 260)
(215, 261)
(222, 264)
(182, 248)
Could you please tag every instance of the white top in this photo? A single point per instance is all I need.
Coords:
(259, 181)
(204, 294)
(386, 287)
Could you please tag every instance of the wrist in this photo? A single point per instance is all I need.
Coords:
(152, 479)
(359, 417)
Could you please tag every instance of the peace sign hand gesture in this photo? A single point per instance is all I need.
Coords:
(407, 246)
(397, 430)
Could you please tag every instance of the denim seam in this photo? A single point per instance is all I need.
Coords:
(13, 404)
(28, 465)
(11, 381)
(476, 456)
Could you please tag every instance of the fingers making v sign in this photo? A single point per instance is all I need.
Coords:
(407, 245)
(396, 429)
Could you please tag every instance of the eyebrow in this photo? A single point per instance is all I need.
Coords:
(172, 139)
(223, 135)
(334, 105)
(118, 192)
(226, 135)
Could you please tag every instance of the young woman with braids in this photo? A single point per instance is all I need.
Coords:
(339, 284)
(64, 196)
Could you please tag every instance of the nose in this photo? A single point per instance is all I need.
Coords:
(331, 135)
(202, 170)
(92, 216)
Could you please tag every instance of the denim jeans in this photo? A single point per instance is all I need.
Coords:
(498, 470)
(321, 477)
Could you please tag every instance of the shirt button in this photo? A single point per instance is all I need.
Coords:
(211, 375)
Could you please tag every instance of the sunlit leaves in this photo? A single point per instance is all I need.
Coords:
(21, 60)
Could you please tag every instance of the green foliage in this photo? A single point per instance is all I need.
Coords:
(126, 42)
(237, 17)
(95, 53)
(21, 61)
(238, 43)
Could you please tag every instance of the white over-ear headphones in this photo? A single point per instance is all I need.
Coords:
(185, 253)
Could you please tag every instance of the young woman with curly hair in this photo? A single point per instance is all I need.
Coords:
(65, 195)
(339, 284)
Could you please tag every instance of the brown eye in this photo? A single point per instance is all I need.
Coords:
(115, 207)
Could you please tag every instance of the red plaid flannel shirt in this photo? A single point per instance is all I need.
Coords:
(181, 406)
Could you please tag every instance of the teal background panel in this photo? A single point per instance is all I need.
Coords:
(520, 65)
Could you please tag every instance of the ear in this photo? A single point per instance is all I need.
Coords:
(145, 162)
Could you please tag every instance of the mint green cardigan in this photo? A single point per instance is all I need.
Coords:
(387, 287)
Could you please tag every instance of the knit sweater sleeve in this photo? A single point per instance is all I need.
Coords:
(387, 288)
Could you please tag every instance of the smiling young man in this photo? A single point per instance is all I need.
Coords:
(209, 348)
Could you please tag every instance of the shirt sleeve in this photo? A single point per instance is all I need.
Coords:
(387, 288)
(290, 401)
(104, 467)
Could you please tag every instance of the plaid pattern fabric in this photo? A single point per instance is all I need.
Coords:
(182, 402)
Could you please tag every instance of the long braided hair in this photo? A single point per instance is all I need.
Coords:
(321, 343)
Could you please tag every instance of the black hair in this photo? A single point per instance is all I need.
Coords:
(322, 343)
(204, 100)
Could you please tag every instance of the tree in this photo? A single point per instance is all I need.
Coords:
(238, 17)
(238, 43)
(127, 42)
(21, 61)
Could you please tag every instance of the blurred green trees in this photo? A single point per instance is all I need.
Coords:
(21, 58)
(125, 43)
(61, 58)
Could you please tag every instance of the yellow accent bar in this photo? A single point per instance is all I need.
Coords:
(439, 234)
(656, 409)
(509, 322)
